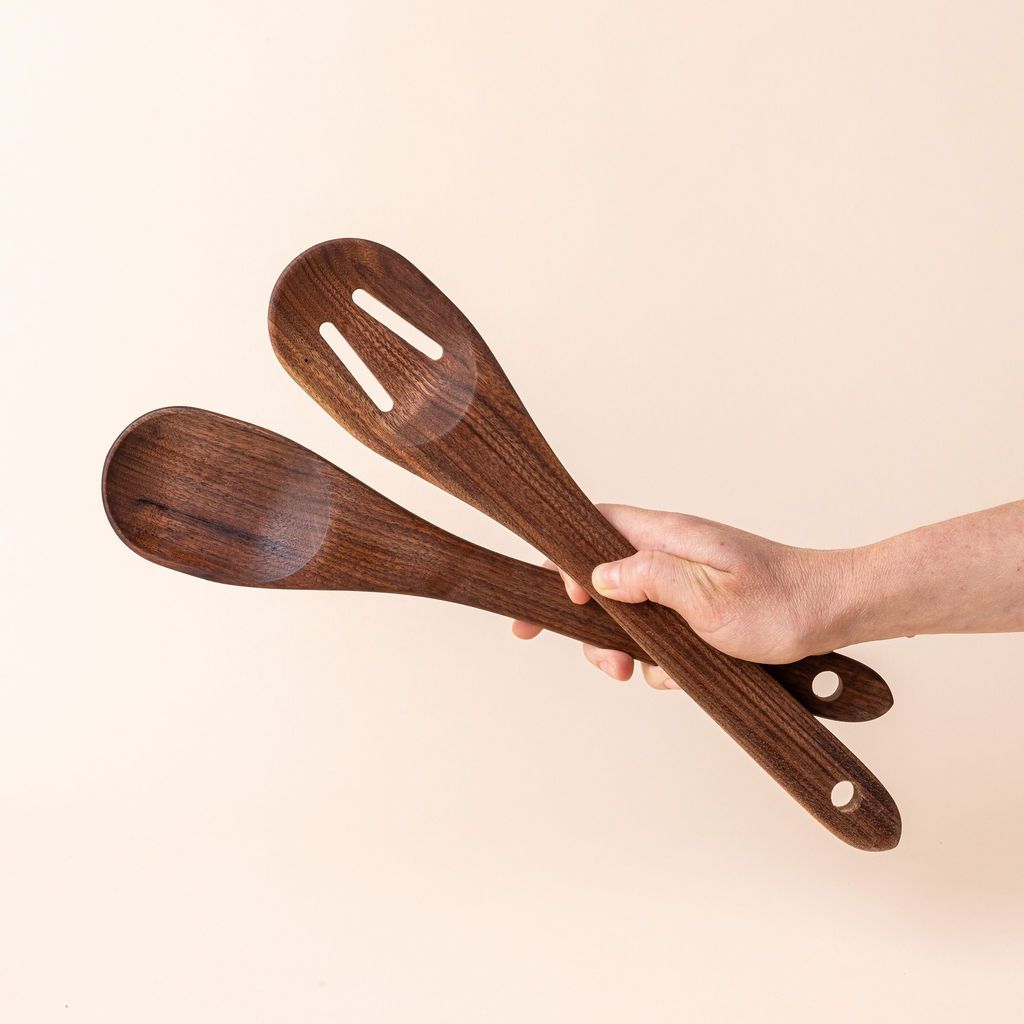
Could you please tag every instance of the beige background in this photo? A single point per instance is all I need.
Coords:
(756, 261)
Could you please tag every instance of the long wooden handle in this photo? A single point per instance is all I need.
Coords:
(507, 586)
(765, 719)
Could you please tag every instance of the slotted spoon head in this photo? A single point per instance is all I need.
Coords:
(456, 420)
(430, 396)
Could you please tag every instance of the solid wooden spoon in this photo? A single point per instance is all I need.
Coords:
(457, 422)
(228, 501)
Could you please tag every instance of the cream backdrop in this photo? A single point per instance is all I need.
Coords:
(757, 261)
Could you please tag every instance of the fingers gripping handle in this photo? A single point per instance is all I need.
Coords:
(781, 735)
(511, 587)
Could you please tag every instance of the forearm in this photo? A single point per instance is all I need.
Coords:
(965, 575)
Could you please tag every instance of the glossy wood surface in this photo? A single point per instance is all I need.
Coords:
(458, 422)
(228, 501)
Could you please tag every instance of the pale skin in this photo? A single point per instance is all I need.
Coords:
(763, 601)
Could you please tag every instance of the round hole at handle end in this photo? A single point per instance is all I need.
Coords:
(826, 686)
(845, 796)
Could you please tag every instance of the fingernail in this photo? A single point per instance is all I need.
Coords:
(606, 576)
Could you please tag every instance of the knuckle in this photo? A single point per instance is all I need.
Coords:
(642, 566)
(713, 605)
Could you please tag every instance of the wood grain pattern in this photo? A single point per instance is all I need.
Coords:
(458, 422)
(228, 501)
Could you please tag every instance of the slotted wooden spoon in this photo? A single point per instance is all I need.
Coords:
(457, 422)
(228, 501)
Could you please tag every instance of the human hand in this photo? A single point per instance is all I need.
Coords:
(750, 597)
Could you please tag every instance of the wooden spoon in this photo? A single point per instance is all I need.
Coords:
(231, 502)
(457, 422)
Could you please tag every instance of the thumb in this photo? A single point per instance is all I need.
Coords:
(645, 576)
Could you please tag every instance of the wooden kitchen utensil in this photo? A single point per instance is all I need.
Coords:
(228, 501)
(457, 422)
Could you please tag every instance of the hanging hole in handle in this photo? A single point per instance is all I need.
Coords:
(826, 686)
(845, 796)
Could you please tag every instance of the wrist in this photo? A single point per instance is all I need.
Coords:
(854, 605)
(829, 598)
(873, 594)
(844, 597)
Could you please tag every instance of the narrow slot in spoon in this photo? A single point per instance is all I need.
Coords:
(228, 501)
(458, 422)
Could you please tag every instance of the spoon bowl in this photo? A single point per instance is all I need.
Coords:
(213, 504)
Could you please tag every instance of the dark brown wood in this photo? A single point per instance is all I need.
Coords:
(458, 422)
(228, 501)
